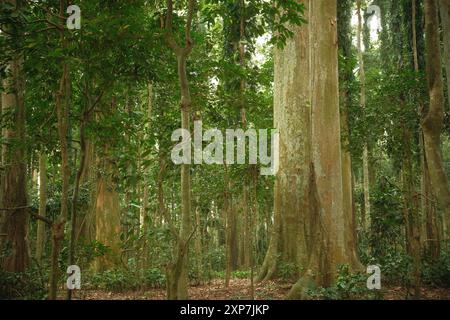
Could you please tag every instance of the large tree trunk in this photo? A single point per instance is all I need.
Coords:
(445, 21)
(330, 232)
(292, 108)
(432, 122)
(14, 191)
(428, 224)
(107, 219)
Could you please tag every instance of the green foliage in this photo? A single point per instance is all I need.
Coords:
(437, 273)
(87, 253)
(155, 278)
(241, 274)
(119, 280)
(115, 280)
(348, 286)
(287, 271)
(216, 259)
(396, 268)
(29, 285)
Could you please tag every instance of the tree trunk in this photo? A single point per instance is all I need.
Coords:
(292, 108)
(178, 270)
(362, 78)
(40, 236)
(345, 79)
(445, 21)
(411, 213)
(107, 219)
(432, 119)
(14, 191)
(330, 232)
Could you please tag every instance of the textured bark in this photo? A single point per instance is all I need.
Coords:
(107, 219)
(411, 213)
(14, 222)
(432, 122)
(143, 215)
(330, 233)
(177, 271)
(430, 235)
(345, 48)
(198, 244)
(14, 192)
(231, 229)
(445, 21)
(62, 111)
(362, 79)
(40, 234)
(292, 108)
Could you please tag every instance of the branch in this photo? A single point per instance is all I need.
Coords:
(30, 212)
(169, 27)
(190, 16)
(88, 112)
(14, 209)
(42, 218)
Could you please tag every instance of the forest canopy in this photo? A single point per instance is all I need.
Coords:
(225, 149)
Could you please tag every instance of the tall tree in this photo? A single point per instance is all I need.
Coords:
(178, 278)
(432, 119)
(40, 233)
(330, 232)
(444, 8)
(14, 192)
(362, 80)
(292, 109)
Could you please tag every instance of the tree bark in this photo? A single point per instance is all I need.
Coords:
(177, 271)
(330, 232)
(292, 108)
(362, 79)
(445, 21)
(432, 119)
(14, 191)
(40, 236)
(107, 218)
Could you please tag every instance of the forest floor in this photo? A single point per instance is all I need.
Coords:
(239, 289)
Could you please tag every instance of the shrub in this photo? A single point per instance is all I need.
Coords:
(155, 278)
(346, 287)
(437, 273)
(28, 285)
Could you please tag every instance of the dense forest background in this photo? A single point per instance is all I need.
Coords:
(357, 90)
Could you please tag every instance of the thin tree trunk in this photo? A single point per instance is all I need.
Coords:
(40, 234)
(362, 79)
(178, 273)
